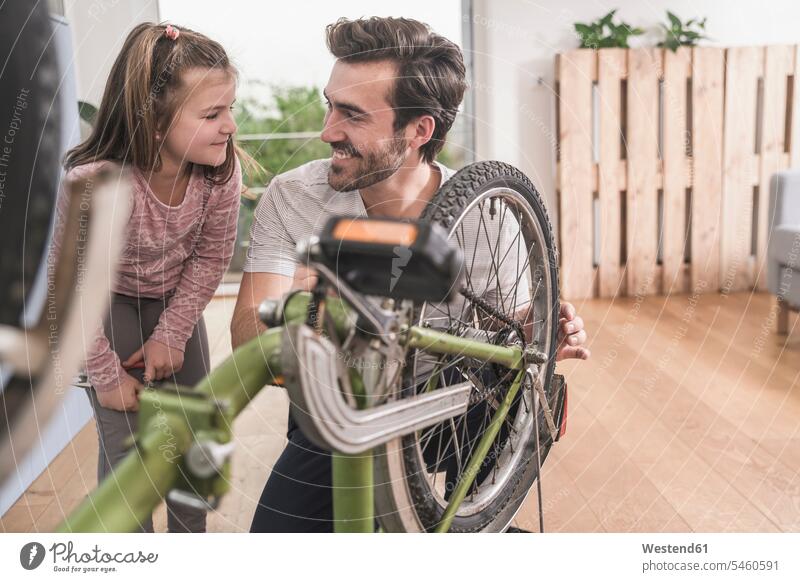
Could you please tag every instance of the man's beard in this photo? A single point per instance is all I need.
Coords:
(369, 168)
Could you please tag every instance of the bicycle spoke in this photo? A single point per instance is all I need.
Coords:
(456, 446)
(469, 271)
(438, 457)
(428, 439)
(491, 255)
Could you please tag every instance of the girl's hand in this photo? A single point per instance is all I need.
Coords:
(124, 398)
(158, 360)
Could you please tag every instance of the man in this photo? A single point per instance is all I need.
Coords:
(392, 96)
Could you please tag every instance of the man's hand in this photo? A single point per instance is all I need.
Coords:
(255, 288)
(158, 360)
(123, 398)
(571, 335)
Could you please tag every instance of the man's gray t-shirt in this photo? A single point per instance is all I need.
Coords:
(298, 204)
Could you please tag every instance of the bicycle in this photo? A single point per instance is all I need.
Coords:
(438, 421)
(383, 383)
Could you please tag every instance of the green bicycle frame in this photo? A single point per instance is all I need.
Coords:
(171, 420)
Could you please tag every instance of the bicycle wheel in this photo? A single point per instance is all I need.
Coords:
(49, 309)
(29, 170)
(494, 213)
(29, 155)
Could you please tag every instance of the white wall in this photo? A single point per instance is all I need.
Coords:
(98, 29)
(278, 44)
(516, 42)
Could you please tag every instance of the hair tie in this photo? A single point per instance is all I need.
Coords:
(171, 32)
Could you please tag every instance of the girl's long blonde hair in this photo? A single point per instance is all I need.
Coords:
(142, 95)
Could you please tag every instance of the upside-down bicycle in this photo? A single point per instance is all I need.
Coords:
(424, 358)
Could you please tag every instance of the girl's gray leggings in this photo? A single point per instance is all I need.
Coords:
(129, 323)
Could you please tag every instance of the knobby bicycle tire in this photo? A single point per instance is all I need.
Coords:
(406, 500)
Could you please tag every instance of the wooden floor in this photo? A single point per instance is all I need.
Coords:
(687, 418)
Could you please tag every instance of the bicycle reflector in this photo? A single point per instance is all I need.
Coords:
(392, 258)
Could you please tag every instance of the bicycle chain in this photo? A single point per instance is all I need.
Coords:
(485, 306)
(511, 324)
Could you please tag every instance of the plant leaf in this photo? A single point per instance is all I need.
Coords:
(676, 22)
(87, 112)
(608, 17)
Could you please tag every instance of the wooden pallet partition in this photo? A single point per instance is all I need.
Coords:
(664, 161)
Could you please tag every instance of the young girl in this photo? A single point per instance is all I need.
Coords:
(166, 114)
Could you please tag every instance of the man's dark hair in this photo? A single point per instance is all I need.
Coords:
(431, 78)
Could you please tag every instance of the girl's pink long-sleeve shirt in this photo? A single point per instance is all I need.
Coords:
(179, 252)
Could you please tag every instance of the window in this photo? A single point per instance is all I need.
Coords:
(283, 64)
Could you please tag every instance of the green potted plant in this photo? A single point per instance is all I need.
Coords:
(605, 33)
(679, 33)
